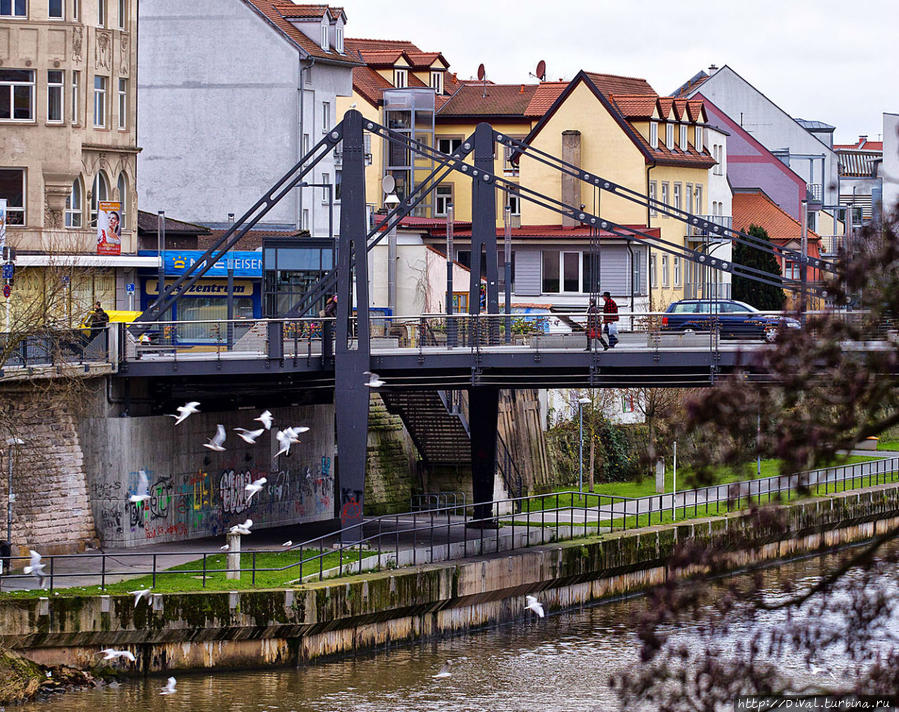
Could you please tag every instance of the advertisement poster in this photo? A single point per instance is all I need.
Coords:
(109, 228)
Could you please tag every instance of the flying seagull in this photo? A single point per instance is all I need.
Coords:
(226, 547)
(444, 671)
(249, 436)
(374, 381)
(36, 568)
(216, 441)
(254, 487)
(184, 411)
(143, 488)
(142, 593)
(242, 528)
(297, 430)
(289, 542)
(111, 654)
(266, 419)
(169, 689)
(285, 439)
(534, 605)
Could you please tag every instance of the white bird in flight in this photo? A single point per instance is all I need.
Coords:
(297, 430)
(444, 671)
(143, 488)
(184, 411)
(169, 689)
(374, 381)
(111, 654)
(534, 605)
(35, 567)
(242, 528)
(142, 593)
(226, 547)
(249, 435)
(289, 542)
(285, 439)
(216, 442)
(254, 487)
(266, 419)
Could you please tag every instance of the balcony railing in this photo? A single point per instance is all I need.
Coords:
(815, 192)
(722, 220)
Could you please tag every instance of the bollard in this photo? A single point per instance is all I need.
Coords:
(233, 541)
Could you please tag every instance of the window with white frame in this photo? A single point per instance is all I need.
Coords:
(73, 205)
(792, 270)
(717, 155)
(669, 136)
(513, 200)
(123, 103)
(326, 116)
(698, 193)
(12, 187)
(437, 82)
(324, 36)
(448, 145)
(16, 94)
(697, 138)
(101, 13)
(683, 138)
(100, 102)
(677, 194)
(339, 37)
(653, 271)
(76, 9)
(13, 8)
(338, 182)
(123, 14)
(306, 219)
(55, 89)
(55, 9)
(400, 78)
(654, 134)
(326, 181)
(443, 199)
(561, 271)
(76, 84)
(122, 189)
(675, 262)
(664, 270)
(99, 193)
(689, 194)
(510, 168)
(652, 197)
(305, 143)
(665, 195)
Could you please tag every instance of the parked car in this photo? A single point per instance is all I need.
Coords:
(736, 320)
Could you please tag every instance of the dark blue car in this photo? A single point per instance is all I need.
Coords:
(736, 320)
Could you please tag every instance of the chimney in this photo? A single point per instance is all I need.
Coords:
(521, 91)
(862, 140)
(571, 186)
(713, 68)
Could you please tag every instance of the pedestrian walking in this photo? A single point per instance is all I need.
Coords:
(594, 326)
(610, 318)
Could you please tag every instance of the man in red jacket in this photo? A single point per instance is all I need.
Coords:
(610, 318)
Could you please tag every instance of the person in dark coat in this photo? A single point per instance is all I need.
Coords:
(594, 326)
(97, 321)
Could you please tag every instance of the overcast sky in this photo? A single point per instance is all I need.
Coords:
(820, 60)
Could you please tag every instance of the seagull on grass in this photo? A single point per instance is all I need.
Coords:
(254, 487)
(184, 411)
(242, 528)
(266, 419)
(142, 593)
(374, 381)
(143, 488)
(169, 689)
(36, 568)
(534, 605)
(111, 654)
(249, 436)
(217, 441)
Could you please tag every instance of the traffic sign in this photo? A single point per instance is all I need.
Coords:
(129, 288)
(8, 271)
(7, 290)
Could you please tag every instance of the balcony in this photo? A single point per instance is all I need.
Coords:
(814, 192)
(699, 233)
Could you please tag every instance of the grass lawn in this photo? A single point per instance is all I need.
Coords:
(888, 444)
(189, 576)
(647, 486)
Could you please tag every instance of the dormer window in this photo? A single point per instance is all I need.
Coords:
(697, 141)
(654, 134)
(324, 42)
(400, 78)
(437, 82)
(683, 137)
(669, 136)
(339, 42)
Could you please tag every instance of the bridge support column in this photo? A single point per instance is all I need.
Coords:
(352, 346)
(483, 415)
(483, 232)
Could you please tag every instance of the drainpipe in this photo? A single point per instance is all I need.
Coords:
(630, 251)
(300, 125)
(648, 247)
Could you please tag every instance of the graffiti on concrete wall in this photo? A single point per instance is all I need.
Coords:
(200, 504)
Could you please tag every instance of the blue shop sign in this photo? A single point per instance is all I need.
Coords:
(246, 264)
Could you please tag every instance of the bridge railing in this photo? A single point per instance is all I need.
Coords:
(455, 531)
(56, 347)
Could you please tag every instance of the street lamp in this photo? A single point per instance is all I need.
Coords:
(390, 202)
(11, 497)
(581, 402)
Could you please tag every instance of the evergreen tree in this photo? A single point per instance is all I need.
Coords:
(762, 296)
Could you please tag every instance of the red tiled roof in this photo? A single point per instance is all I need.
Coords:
(665, 156)
(613, 84)
(665, 104)
(545, 95)
(370, 84)
(695, 108)
(756, 208)
(274, 11)
(635, 107)
(490, 100)
(383, 57)
(361, 44)
(424, 60)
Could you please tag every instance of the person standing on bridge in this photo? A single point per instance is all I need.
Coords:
(610, 318)
(594, 326)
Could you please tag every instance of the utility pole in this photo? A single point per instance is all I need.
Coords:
(507, 277)
(450, 322)
(160, 251)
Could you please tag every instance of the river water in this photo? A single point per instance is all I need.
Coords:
(561, 663)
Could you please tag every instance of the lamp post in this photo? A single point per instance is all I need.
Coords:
(390, 202)
(11, 497)
(581, 402)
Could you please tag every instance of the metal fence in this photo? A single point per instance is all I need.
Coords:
(57, 347)
(443, 533)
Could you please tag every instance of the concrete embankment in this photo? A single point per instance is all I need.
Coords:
(272, 627)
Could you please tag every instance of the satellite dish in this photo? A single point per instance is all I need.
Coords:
(481, 72)
(541, 70)
(388, 183)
